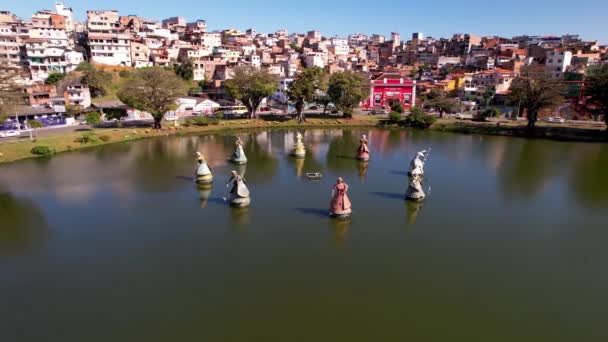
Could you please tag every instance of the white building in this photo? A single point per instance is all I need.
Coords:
(557, 62)
(67, 13)
(44, 60)
(106, 44)
(315, 59)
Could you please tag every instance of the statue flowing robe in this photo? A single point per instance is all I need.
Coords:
(239, 154)
(203, 168)
(238, 187)
(363, 150)
(340, 203)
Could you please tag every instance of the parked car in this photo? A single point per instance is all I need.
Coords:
(313, 107)
(265, 109)
(556, 119)
(9, 134)
(380, 110)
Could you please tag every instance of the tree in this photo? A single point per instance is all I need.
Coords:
(442, 104)
(324, 100)
(152, 90)
(419, 119)
(93, 118)
(184, 69)
(596, 87)
(397, 107)
(347, 89)
(250, 86)
(534, 90)
(97, 79)
(72, 110)
(11, 94)
(304, 88)
(115, 113)
(54, 78)
(34, 124)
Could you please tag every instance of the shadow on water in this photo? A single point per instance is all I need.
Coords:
(399, 173)
(324, 213)
(389, 195)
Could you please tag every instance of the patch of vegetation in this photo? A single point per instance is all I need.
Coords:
(93, 118)
(200, 121)
(394, 117)
(34, 124)
(41, 151)
(105, 138)
(419, 119)
(54, 78)
(87, 138)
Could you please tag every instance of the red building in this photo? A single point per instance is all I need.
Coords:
(389, 89)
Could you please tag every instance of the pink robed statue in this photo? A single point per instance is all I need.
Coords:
(363, 150)
(340, 205)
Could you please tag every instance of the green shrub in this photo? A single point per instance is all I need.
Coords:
(419, 119)
(394, 116)
(88, 137)
(200, 121)
(35, 124)
(124, 73)
(105, 138)
(54, 78)
(41, 150)
(397, 107)
(93, 118)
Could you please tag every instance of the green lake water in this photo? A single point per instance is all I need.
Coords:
(117, 243)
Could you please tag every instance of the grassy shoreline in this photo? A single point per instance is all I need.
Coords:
(66, 141)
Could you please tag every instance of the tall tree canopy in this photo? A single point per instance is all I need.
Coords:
(596, 87)
(184, 69)
(347, 89)
(304, 88)
(153, 90)
(534, 90)
(250, 86)
(442, 104)
(97, 79)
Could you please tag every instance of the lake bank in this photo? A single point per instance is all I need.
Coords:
(86, 138)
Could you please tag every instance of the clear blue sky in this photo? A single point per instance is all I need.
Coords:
(341, 17)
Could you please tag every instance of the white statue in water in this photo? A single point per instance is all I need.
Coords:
(239, 193)
(299, 150)
(203, 173)
(414, 190)
(238, 157)
(417, 164)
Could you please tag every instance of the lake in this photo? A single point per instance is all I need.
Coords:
(117, 243)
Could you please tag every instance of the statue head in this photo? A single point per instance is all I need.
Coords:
(340, 180)
(234, 174)
(200, 157)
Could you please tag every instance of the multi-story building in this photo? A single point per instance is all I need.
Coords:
(557, 62)
(108, 43)
(44, 59)
(11, 53)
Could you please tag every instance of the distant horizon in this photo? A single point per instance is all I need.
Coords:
(340, 18)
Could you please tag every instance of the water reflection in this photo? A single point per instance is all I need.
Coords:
(589, 185)
(22, 225)
(362, 170)
(412, 212)
(239, 218)
(528, 169)
(340, 228)
(204, 194)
